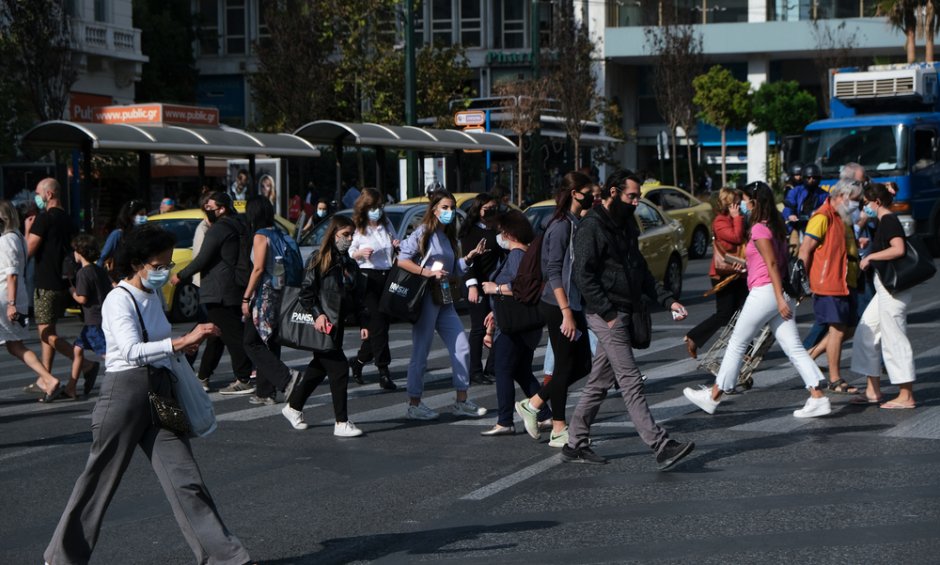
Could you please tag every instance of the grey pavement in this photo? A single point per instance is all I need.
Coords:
(859, 486)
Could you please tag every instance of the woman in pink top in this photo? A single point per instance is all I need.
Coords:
(766, 256)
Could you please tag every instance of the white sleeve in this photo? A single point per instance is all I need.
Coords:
(9, 255)
(120, 321)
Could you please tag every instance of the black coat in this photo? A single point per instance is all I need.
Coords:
(336, 293)
(483, 266)
(609, 269)
(216, 263)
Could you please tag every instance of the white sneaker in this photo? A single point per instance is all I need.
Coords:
(295, 417)
(560, 440)
(701, 398)
(421, 412)
(469, 408)
(529, 418)
(346, 429)
(814, 408)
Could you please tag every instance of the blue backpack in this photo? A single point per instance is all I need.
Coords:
(284, 246)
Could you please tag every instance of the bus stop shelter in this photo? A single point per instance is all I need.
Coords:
(382, 137)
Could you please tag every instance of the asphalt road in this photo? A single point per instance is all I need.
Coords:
(859, 486)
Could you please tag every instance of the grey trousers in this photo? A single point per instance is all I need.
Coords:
(614, 360)
(120, 422)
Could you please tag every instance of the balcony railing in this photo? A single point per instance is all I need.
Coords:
(97, 37)
(630, 13)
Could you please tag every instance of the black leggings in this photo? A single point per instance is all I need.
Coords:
(478, 313)
(572, 358)
(272, 373)
(376, 347)
(332, 363)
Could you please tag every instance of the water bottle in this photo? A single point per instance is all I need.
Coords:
(277, 282)
(446, 297)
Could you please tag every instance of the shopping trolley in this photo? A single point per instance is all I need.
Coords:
(754, 354)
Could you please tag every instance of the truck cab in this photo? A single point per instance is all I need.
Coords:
(886, 118)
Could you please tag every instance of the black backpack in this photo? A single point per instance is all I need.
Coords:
(529, 282)
(242, 268)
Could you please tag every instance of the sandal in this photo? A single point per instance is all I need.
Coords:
(48, 397)
(842, 387)
(864, 400)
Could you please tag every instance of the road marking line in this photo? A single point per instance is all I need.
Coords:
(513, 479)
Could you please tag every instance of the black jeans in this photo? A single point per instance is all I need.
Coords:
(728, 300)
(376, 347)
(514, 354)
(572, 358)
(479, 312)
(334, 364)
(273, 374)
(229, 320)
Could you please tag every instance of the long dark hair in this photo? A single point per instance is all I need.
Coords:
(571, 181)
(765, 209)
(431, 223)
(473, 214)
(368, 199)
(125, 216)
(260, 213)
(325, 258)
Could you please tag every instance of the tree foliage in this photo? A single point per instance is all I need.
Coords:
(724, 102)
(524, 100)
(782, 107)
(573, 83)
(167, 36)
(677, 60)
(38, 37)
(612, 120)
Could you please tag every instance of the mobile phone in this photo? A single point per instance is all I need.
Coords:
(437, 266)
(329, 328)
(577, 334)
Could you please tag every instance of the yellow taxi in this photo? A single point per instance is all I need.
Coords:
(662, 240)
(464, 200)
(695, 215)
(183, 303)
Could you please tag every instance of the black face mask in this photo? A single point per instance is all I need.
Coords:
(621, 211)
(212, 216)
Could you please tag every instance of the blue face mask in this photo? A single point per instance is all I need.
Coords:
(869, 212)
(321, 213)
(155, 279)
(375, 214)
(140, 220)
(40, 203)
(743, 207)
(446, 217)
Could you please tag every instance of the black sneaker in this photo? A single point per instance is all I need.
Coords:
(357, 367)
(672, 453)
(581, 455)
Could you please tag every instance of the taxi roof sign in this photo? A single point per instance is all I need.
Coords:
(469, 118)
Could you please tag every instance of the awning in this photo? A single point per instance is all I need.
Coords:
(163, 165)
(328, 132)
(230, 142)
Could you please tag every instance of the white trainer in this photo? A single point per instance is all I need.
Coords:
(529, 418)
(814, 408)
(295, 417)
(421, 412)
(346, 429)
(469, 408)
(701, 398)
(560, 440)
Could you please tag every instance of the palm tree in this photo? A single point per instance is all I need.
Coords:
(903, 14)
(930, 25)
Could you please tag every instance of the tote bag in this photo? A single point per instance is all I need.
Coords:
(513, 316)
(296, 325)
(906, 272)
(404, 293)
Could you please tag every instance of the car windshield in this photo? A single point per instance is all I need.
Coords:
(881, 149)
(315, 237)
(537, 216)
(182, 230)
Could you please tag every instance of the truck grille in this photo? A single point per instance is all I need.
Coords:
(875, 88)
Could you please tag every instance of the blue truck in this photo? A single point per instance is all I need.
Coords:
(886, 118)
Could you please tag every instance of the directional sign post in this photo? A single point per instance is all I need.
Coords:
(470, 118)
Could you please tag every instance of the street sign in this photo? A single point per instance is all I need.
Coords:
(473, 129)
(469, 118)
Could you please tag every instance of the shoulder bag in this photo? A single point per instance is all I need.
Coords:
(404, 293)
(641, 326)
(165, 411)
(296, 325)
(915, 267)
(513, 316)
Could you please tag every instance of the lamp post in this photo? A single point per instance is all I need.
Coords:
(411, 87)
(535, 143)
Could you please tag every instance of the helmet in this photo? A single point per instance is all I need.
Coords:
(812, 170)
(433, 187)
(795, 169)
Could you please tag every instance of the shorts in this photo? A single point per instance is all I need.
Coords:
(836, 309)
(48, 305)
(92, 337)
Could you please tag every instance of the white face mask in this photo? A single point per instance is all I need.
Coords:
(501, 241)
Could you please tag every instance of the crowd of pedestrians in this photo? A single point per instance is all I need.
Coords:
(593, 290)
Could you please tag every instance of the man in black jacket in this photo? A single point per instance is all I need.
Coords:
(613, 278)
(216, 264)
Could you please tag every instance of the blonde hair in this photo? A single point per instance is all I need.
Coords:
(726, 198)
(9, 218)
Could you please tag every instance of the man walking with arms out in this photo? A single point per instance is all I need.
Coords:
(613, 277)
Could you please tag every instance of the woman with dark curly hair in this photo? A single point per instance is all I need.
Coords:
(122, 417)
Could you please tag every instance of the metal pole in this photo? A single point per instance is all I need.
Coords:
(411, 88)
(253, 186)
(201, 160)
(535, 162)
(338, 153)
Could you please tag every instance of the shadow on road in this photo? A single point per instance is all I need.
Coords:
(427, 542)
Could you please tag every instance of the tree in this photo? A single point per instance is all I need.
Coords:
(902, 14)
(524, 100)
(612, 120)
(39, 38)
(573, 83)
(167, 36)
(724, 103)
(294, 82)
(783, 108)
(835, 48)
(677, 51)
(443, 75)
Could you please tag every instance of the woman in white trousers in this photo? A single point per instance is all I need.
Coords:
(882, 331)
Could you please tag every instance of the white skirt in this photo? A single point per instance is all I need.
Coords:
(10, 331)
